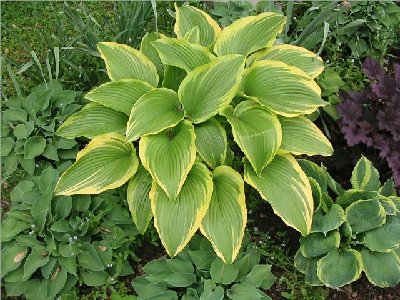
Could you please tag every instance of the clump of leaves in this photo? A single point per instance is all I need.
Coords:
(372, 116)
(358, 232)
(230, 11)
(197, 273)
(49, 243)
(28, 126)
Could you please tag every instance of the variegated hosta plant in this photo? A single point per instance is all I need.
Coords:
(171, 100)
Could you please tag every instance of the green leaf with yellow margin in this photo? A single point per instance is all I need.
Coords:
(177, 221)
(182, 54)
(173, 76)
(93, 120)
(193, 35)
(365, 176)
(203, 93)
(138, 198)
(257, 131)
(285, 90)
(153, 112)
(286, 187)
(106, 163)
(124, 62)
(295, 56)
(249, 34)
(147, 48)
(226, 217)
(119, 95)
(301, 136)
(169, 156)
(189, 17)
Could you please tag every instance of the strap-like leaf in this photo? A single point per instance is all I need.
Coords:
(226, 217)
(169, 156)
(208, 88)
(257, 131)
(211, 142)
(181, 53)
(295, 56)
(147, 48)
(124, 62)
(119, 95)
(189, 17)
(249, 34)
(138, 199)
(177, 221)
(93, 120)
(301, 136)
(285, 186)
(106, 163)
(153, 112)
(286, 90)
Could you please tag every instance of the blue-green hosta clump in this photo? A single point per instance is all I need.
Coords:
(175, 101)
(357, 232)
(50, 243)
(197, 273)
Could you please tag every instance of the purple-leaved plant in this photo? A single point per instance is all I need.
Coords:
(372, 116)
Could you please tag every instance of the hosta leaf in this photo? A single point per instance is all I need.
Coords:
(384, 238)
(93, 120)
(301, 262)
(138, 199)
(153, 112)
(382, 269)
(211, 142)
(188, 17)
(169, 156)
(249, 34)
(285, 186)
(226, 217)
(106, 163)
(295, 56)
(301, 136)
(257, 131)
(124, 62)
(181, 53)
(206, 89)
(365, 176)
(286, 90)
(364, 215)
(317, 244)
(347, 261)
(311, 277)
(193, 35)
(119, 95)
(147, 48)
(177, 221)
(173, 76)
(329, 221)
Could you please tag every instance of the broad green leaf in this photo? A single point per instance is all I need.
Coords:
(34, 146)
(14, 114)
(37, 258)
(187, 17)
(182, 273)
(119, 95)
(301, 262)
(248, 261)
(223, 273)
(260, 276)
(382, 269)
(153, 112)
(124, 62)
(295, 56)
(317, 244)
(350, 196)
(365, 176)
(173, 76)
(92, 278)
(257, 131)
(349, 263)
(388, 188)
(20, 131)
(89, 258)
(138, 199)
(147, 48)
(177, 221)
(226, 218)
(301, 136)
(11, 258)
(157, 291)
(285, 186)
(243, 291)
(384, 238)
(329, 221)
(56, 282)
(7, 144)
(285, 90)
(364, 215)
(93, 120)
(249, 34)
(181, 53)
(207, 88)
(169, 156)
(311, 276)
(106, 163)
(211, 142)
(193, 35)
(388, 205)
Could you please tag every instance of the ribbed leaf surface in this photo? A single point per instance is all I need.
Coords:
(147, 48)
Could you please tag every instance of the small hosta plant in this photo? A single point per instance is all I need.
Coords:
(197, 273)
(358, 232)
(176, 101)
